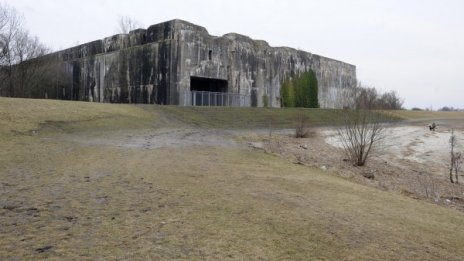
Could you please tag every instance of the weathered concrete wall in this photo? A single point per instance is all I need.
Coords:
(248, 64)
(126, 68)
(155, 66)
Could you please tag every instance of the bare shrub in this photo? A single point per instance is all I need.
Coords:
(456, 159)
(361, 133)
(428, 186)
(457, 165)
(302, 129)
(271, 120)
(274, 143)
(363, 97)
(390, 101)
(366, 98)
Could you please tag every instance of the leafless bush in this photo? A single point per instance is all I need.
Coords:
(274, 144)
(361, 133)
(390, 101)
(428, 186)
(271, 121)
(456, 159)
(302, 129)
(363, 97)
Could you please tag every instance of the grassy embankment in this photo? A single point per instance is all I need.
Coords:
(430, 115)
(77, 201)
(249, 118)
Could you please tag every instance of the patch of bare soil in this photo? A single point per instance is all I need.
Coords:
(159, 138)
(413, 161)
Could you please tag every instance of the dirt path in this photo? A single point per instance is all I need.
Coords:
(159, 138)
(167, 132)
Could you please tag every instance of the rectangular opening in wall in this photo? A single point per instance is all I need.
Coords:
(210, 54)
(207, 84)
(210, 92)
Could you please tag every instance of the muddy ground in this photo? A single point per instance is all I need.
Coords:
(411, 160)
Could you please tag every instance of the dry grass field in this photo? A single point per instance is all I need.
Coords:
(63, 195)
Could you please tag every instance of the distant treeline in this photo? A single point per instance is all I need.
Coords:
(21, 75)
(302, 91)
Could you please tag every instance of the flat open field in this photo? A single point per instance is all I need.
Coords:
(100, 181)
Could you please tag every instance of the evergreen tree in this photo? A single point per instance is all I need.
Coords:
(313, 90)
(302, 91)
(287, 94)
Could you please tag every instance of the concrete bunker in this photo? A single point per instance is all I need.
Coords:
(180, 63)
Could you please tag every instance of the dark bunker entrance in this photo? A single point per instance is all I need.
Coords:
(209, 92)
(200, 84)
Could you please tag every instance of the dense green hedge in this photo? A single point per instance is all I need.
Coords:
(302, 91)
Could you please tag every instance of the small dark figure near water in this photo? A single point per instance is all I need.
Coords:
(433, 126)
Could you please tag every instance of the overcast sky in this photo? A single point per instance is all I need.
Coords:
(415, 47)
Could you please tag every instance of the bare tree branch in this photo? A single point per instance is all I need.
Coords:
(17, 48)
(456, 159)
(126, 24)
